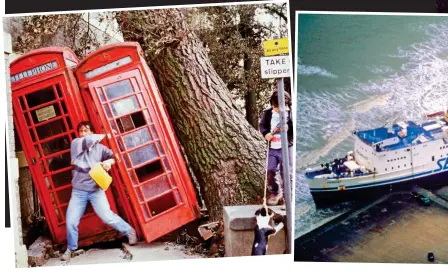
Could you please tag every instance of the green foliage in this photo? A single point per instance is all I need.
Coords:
(233, 36)
(69, 30)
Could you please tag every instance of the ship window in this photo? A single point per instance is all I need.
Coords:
(392, 168)
(411, 163)
(398, 167)
(432, 158)
(405, 165)
(385, 169)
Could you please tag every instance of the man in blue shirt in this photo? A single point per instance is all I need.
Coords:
(85, 152)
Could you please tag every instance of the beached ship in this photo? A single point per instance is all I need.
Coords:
(384, 158)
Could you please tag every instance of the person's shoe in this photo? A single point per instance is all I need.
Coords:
(132, 237)
(274, 199)
(67, 255)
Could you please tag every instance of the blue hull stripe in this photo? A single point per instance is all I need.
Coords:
(377, 184)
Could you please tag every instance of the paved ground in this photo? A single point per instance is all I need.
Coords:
(141, 252)
(396, 230)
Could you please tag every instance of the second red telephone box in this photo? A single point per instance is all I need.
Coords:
(121, 94)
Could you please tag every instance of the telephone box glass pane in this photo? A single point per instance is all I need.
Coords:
(59, 162)
(64, 108)
(62, 179)
(127, 162)
(50, 129)
(155, 187)
(58, 90)
(143, 154)
(170, 176)
(145, 211)
(167, 166)
(159, 147)
(40, 97)
(133, 178)
(147, 117)
(47, 181)
(64, 195)
(124, 106)
(53, 200)
(56, 145)
(120, 145)
(179, 199)
(141, 101)
(118, 89)
(64, 211)
(154, 133)
(59, 214)
(137, 138)
(106, 109)
(22, 103)
(28, 122)
(162, 204)
(42, 167)
(139, 195)
(100, 94)
(149, 171)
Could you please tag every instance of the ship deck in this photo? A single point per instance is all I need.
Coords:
(413, 131)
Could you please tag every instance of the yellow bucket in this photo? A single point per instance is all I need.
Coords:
(100, 176)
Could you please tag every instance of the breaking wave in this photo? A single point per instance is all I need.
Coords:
(313, 70)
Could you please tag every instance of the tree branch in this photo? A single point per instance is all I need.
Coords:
(278, 12)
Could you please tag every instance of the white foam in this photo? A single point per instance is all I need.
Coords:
(314, 70)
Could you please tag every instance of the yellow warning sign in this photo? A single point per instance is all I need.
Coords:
(276, 46)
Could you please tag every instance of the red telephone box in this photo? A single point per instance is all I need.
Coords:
(118, 87)
(47, 109)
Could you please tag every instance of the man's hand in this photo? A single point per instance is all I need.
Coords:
(268, 137)
(278, 129)
(107, 164)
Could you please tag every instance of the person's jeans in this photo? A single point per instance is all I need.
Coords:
(274, 161)
(77, 207)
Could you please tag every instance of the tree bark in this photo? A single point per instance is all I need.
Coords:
(226, 154)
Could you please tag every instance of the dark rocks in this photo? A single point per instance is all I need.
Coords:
(40, 251)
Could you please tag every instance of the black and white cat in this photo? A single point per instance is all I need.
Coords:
(263, 230)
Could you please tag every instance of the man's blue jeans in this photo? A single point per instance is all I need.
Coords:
(275, 159)
(77, 207)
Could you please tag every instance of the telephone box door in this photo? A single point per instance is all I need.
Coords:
(155, 191)
(45, 119)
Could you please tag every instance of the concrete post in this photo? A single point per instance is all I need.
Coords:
(239, 224)
(13, 165)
